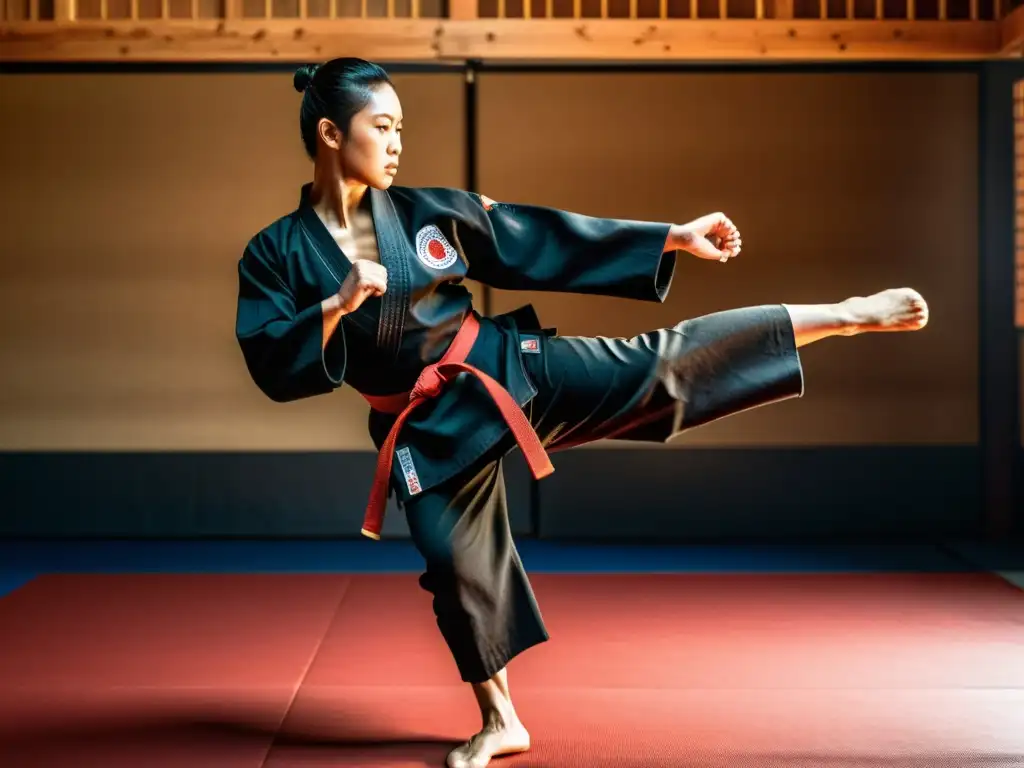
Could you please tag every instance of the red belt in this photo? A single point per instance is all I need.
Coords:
(429, 385)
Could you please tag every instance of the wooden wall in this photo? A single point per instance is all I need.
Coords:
(837, 183)
(130, 196)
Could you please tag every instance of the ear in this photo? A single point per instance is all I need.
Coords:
(329, 133)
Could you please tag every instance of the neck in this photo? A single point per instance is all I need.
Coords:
(333, 195)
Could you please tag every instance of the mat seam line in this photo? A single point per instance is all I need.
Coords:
(22, 581)
(305, 671)
(951, 551)
(1003, 575)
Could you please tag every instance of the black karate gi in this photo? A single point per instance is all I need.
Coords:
(447, 473)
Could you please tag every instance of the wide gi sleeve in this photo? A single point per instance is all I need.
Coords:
(528, 247)
(283, 345)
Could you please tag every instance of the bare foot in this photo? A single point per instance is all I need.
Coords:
(502, 735)
(897, 309)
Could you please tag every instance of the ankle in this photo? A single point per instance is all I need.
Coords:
(494, 704)
(495, 718)
(848, 320)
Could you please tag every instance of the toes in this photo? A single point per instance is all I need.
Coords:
(459, 757)
(469, 755)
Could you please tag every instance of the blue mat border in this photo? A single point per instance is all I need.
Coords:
(21, 561)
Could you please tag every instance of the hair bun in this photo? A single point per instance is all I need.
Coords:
(304, 76)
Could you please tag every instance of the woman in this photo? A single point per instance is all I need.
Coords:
(361, 284)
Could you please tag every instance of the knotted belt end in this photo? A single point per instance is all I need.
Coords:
(428, 386)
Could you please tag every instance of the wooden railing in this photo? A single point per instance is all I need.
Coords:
(907, 10)
(661, 10)
(456, 30)
(188, 10)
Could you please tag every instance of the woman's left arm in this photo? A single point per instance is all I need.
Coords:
(529, 247)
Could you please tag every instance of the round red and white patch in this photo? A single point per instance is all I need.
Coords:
(433, 250)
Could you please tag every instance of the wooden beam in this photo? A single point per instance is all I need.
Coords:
(586, 40)
(257, 40)
(1013, 32)
(498, 40)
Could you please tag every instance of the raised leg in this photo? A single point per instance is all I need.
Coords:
(654, 386)
(896, 309)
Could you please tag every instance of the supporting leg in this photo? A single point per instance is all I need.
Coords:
(502, 733)
(485, 607)
(897, 309)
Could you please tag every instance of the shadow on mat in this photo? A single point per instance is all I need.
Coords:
(191, 737)
(122, 733)
(190, 727)
(194, 741)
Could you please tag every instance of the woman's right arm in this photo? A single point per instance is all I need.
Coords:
(291, 352)
(365, 279)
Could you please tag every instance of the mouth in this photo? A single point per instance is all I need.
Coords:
(391, 169)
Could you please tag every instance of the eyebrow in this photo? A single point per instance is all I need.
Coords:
(385, 114)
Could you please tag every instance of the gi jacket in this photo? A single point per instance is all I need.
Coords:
(430, 240)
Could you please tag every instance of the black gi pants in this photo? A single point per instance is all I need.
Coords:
(646, 388)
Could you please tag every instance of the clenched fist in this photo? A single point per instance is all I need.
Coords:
(710, 237)
(365, 279)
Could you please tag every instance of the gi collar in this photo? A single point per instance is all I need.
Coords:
(393, 246)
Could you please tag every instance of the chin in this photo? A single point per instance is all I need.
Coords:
(384, 181)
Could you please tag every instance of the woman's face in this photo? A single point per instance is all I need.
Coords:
(370, 151)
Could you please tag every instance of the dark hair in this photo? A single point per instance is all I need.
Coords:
(336, 90)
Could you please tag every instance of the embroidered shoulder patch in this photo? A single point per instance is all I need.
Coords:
(433, 250)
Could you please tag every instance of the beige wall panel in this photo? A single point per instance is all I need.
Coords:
(842, 184)
(127, 202)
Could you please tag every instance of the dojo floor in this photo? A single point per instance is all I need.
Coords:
(303, 655)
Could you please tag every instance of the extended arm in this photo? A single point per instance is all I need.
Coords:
(527, 247)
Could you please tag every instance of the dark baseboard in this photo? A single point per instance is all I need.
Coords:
(916, 492)
(201, 494)
(912, 492)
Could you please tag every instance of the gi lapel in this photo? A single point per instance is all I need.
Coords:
(393, 247)
(317, 235)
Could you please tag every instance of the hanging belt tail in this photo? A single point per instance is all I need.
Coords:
(429, 385)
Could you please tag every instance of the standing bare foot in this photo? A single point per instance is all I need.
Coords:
(897, 309)
(502, 734)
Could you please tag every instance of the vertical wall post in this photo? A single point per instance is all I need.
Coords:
(998, 345)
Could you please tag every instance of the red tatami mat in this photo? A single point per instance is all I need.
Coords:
(199, 726)
(707, 631)
(836, 671)
(165, 630)
(154, 670)
(643, 728)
